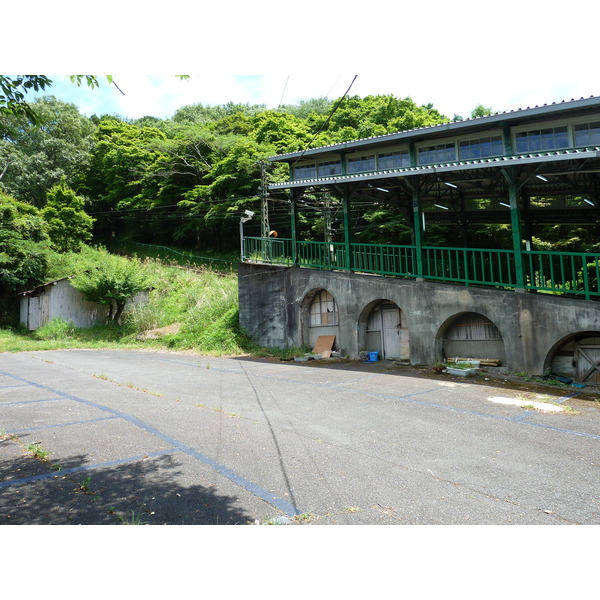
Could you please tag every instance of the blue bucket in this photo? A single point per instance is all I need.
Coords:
(373, 357)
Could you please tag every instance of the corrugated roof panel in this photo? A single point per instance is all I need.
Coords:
(499, 117)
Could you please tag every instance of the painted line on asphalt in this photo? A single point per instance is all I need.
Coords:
(67, 424)
(29, 401)
(63, 472)
(279, 503)
(565, 398)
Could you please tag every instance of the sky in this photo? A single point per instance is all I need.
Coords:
(454, 55)
(161, 96)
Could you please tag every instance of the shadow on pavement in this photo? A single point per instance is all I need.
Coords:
(141, 492)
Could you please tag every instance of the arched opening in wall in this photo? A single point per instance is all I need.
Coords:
(472, 335)
(321, 317)
(577, 357)
(386, 330)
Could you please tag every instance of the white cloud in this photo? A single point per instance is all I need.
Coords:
(450, 91)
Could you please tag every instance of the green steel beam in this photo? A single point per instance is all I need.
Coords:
(294, 226)
(414, 184)
(511, 175)
(347, 227)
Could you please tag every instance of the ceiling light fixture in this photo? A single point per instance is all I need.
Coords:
(451, 185)
(542, 177)
(440, 206)
(589, 202)
(504, 204)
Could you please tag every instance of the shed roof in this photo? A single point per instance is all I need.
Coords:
(43, 285)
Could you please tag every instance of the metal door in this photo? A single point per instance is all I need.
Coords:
(390, 318)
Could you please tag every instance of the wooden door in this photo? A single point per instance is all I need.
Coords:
(587, 357)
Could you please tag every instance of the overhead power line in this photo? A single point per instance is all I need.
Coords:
(337, 105)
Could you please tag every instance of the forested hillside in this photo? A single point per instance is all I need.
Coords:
(182, 180)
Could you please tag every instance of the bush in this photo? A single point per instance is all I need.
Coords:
(55, 329)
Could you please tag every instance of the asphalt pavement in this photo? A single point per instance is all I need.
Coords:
(175, 438)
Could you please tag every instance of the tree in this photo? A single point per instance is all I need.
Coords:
(357, 117)
(37, 157)
(12, 98)
(69, 226)
(112, 282)
(23, 261)
(481, 111)
(14, 89)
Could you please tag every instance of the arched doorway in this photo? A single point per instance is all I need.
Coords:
(472, 335)
(321, 317)
(387, 331)
(578, 358)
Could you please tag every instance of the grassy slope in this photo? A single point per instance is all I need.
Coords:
(202, 302)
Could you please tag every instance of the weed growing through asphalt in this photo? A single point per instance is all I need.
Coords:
(219, 410)
(37, 451)
(304, 518)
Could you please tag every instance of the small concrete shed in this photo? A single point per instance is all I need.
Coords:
(60, 299)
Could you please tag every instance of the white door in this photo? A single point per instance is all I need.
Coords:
(391, 332)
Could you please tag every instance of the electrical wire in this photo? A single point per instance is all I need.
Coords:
(283, 93)
(338, 104)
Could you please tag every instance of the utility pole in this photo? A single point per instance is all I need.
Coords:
(264, 204)
(327, 218)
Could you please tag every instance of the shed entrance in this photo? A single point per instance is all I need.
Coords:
(387, 320)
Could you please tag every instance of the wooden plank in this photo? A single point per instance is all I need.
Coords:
(324, 344)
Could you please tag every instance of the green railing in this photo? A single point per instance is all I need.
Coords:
(322, 255)
(563, 272)
(551, 272)
(384, 259)
(269, 250)
(470, 266)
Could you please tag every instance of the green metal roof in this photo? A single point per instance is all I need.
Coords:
(498, 161)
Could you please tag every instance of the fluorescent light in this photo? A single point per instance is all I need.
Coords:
(440, 206)
(451, 185)
(589, 202)
(382, 189)
(541, 177)
(504, 204)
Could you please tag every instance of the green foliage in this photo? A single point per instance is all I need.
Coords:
(55, 329)
(376, 115)
(12, 97)
(481, 111)
(113, 280)
(200, 304)
(37, 451)
(37, 157)
(23, 253)
(68, 224)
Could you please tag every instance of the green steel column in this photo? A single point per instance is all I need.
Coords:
(510, 174)
(415, 185)
(347, 228)
(294, 224)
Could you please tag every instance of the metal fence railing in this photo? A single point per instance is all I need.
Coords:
(572, 273)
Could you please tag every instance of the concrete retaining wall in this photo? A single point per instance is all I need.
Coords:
(275, 303)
